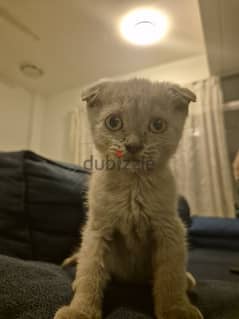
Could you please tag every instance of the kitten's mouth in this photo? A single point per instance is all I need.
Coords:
(126, 156)
(133, 161)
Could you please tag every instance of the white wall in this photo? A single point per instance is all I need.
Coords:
(55, 129)
(55, 137)
(38, 109)
(28, 121)
(18, 123)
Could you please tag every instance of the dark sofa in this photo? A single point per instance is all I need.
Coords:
(41, 211)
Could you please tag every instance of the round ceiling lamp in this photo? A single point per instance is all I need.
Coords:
(144, 26)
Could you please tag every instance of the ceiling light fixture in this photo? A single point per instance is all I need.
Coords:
(31, 70)
(144, 26)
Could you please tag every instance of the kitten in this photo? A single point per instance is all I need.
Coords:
(133, 231)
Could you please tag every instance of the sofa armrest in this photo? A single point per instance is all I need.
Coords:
(214, 232)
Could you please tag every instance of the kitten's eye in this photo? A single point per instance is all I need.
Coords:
(158, 126)
(113, 122)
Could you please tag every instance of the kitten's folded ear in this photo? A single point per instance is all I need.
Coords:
(91, 95)
(183, 97)
(183, 93)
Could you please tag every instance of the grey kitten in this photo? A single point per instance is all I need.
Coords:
(133, 231)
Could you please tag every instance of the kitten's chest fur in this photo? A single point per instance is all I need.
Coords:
(133, 217)
(131, 205)
(131, 244)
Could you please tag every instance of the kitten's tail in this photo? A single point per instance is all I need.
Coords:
(70, 260)
(191, 281)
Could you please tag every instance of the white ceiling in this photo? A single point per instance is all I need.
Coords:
(78, 41)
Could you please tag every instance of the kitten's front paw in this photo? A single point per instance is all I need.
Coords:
(186, 311)
(68, 312)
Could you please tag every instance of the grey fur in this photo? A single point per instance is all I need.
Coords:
(133, 231)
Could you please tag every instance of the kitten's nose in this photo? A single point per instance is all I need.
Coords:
(133, 147)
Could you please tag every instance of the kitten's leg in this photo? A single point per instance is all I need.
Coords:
(170, 280)
(90, 281)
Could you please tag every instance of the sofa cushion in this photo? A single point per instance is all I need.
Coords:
(35, 290)
(32, 289)
(41, 206)
(213, 264)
